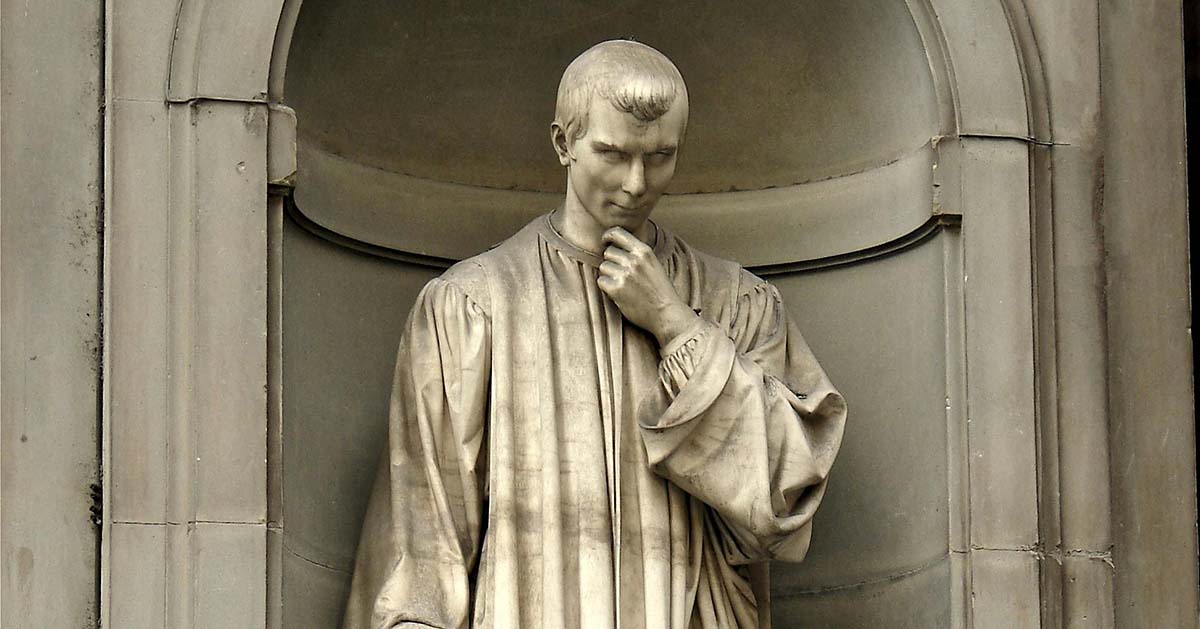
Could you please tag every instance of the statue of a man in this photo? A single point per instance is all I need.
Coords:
(593, 424)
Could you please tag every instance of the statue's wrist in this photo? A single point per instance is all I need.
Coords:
(678, 320)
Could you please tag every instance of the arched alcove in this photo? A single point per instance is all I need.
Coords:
(423, 138)
(425, 130)
(976, 252)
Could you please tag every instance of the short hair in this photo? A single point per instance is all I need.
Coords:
(634, 77)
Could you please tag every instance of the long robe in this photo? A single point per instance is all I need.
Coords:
(550, 466)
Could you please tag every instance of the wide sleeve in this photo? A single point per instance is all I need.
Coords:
(421, 535)
(751, 429)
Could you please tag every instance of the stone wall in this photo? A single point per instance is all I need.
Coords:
(51, 61)
(997, 244)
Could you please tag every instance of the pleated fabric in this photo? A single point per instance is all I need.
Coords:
(550, 466)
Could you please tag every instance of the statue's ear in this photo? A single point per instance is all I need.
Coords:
(558, 137)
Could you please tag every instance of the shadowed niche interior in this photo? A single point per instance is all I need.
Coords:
(424, 138)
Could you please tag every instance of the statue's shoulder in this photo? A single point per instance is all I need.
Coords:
(714, 282)
(715, 271)
(477, 275)
(750, 283)
(710, 282)
(469, 277)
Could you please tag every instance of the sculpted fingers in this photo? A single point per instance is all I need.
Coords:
(619, 237)
(612, 270)
(618, 255)
(607, 284)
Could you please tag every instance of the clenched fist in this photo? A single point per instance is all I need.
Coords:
(635, 280)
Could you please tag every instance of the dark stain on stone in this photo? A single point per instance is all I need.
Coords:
(255, 120)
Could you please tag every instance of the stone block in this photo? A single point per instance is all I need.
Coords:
(137, 580)
(137, 293)
(281, 146)
(50, 262)
(1087, 595)
(229, 575)
(1080, 343)
(223, 50)
(998, 289)
(1004, 589)
(987, 71)
(960, 590)
(957, 446)
(1069, 49)
(228, 360)
(274, 578)
(141, 33)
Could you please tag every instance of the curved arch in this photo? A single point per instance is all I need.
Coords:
(881, 192)
(979, 85)
(222, 50)
(972, 47)
(234, 51)
(231, 50)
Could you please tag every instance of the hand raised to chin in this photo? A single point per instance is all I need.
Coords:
(636, 281)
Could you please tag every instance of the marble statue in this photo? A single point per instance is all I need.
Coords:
(594, 424)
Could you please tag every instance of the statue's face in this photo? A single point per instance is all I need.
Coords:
(621, 166)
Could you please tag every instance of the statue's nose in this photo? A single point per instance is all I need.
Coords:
(635, 179)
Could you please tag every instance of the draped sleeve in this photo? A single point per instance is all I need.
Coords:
(752, 426)
(421, 535)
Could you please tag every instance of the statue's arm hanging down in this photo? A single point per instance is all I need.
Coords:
(422, 532)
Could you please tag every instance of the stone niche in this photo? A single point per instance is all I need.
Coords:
(424, 138)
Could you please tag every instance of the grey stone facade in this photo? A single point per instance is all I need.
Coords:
(204, 277)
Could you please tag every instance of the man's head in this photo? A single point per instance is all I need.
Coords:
(620, 118)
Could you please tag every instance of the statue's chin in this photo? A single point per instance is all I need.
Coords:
(629, 218)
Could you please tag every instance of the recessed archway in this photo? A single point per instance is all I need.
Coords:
(422, 139)
(956, 69)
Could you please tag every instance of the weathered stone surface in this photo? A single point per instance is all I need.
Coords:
(891, 525)
(138, 293)
(222, 50)
(336, 370)
(1069, 50)
(165, 322)
(987, 73)
(1004, 589)
(137, 580)
(1151, 394)
(228, 589)
(1088, 599)
(999, 336)
(228, 340)
(140, 36)
(50, 239)
(1081, 390)
(316, 594)
(920, 600)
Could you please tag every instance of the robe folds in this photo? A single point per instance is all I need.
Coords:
(550, 466)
